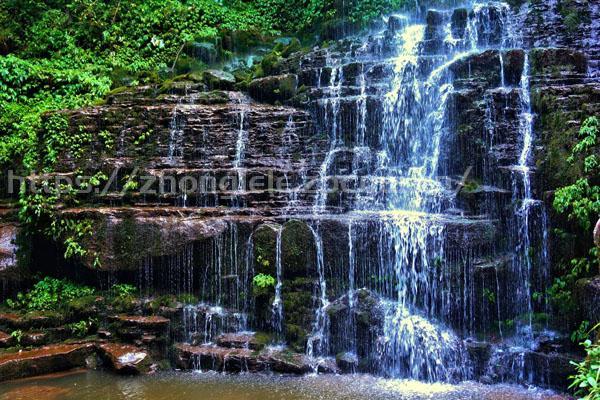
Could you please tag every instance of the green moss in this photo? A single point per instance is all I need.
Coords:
(558, 138)
(271, 64)
(265, 239)
(82, 306)
(297, 247)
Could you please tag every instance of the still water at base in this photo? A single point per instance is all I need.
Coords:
(94, 385)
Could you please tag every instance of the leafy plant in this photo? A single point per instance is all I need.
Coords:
(580, 203)
(81, 328)
(489, 295)
(586, 381)
(263, 281)
(582, 333)
(17, 335)
(50, 294)
(124, 290)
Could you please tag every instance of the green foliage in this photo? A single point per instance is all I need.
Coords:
(187, 298)
(299, 16)
(17, 335)
(31, 87)
(586, 381)
(124, 290)
(582, 333)
(81, 328)
(580, 203)
(262, 261)
(581, 200)
(50, 294)
(489, 295)
(38, 212)
(263, 281)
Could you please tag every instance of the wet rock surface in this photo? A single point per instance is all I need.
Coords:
(210, 357)
(125, 359)
(43, 360)
(239, 341)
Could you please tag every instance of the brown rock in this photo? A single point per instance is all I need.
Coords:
(239, 341)
(274, 88)
(44, 360)
(34, 339)
(217, 358)
(6, 340)
(147, 323)
(125, 359)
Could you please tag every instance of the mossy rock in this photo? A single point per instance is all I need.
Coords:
(84, 307)
(265, 240)
(555, 62)
(274, 89)
(297, 249)
(218, 80)
(296, 337)
(271, 64)
(186, 64)
(203, 51)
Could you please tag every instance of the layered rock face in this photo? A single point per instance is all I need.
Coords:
(396, 199)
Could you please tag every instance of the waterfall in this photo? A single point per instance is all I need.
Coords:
(418, 261)
(176, 130)
(277, 307)
(330, 106)
(318, 341)
(522, 196)
(240, 149)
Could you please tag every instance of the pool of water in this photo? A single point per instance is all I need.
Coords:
(97, 385)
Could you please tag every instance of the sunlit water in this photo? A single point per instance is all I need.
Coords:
(94, 385)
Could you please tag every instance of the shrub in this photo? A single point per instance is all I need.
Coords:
(50, 294)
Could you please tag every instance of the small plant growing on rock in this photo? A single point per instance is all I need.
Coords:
(81, 328)
(17, 335)
(263, 281)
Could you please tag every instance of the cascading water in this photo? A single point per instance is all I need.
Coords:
(318, 341)
(277, 307)
(240, 149)
(410, 197)
(386, 111)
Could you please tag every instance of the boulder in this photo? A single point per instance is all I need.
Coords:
(239, 341)
(396, 23)
(44, 360)
(125, 359)
(347, 362)
(34, 339)
(483, 66)
(459, 22)
(479, 353)
(273, 89)
(218, 80)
